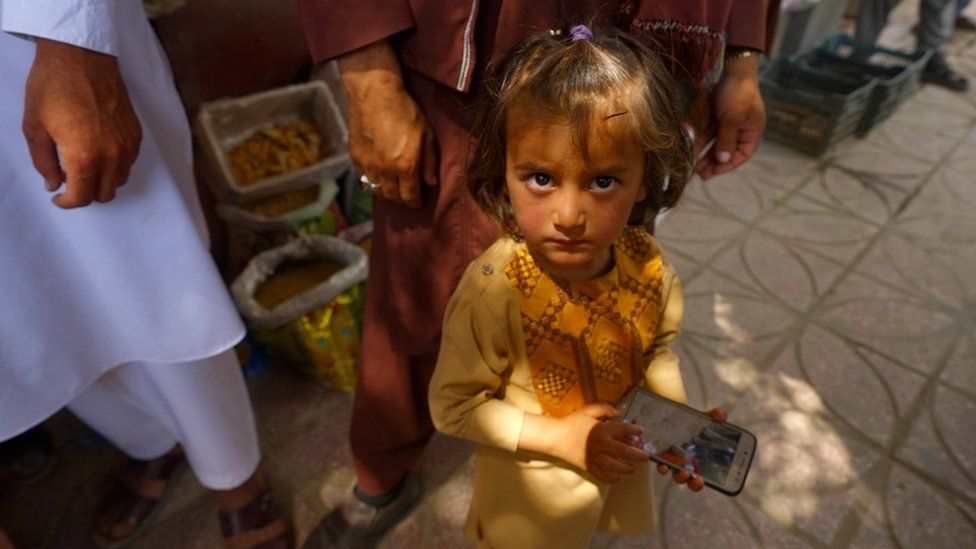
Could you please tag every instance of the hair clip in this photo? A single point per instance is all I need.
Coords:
(580, 32)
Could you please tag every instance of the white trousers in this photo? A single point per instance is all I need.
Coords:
(146, 409)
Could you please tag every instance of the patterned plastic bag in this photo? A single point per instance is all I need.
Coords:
(273, 221)
(316, 330)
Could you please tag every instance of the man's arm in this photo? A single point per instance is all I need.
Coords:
(736, 102)
(390, 141)
(738, 107)
(79, 123)
(336, 27)
(88, 24)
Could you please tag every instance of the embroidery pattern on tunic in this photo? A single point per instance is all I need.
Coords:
(586, 341)
(693, 51)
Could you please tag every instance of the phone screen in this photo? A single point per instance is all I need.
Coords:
(684, 438)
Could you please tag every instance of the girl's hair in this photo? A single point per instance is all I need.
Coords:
(563, 75)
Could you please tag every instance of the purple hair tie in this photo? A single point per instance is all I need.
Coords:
(580, 32)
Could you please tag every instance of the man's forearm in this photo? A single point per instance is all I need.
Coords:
(375, 64)
(742, 68)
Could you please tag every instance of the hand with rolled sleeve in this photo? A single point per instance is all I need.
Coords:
(738, 108)
(390, 141)
(80, 126)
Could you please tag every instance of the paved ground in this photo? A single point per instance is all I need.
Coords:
(831, 308)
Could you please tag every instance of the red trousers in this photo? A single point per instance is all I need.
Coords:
(416, 259)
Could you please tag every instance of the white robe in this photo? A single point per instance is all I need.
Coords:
(84, 291)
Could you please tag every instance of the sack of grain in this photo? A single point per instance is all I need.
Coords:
(266, 143)
(302, 302)
(269, 222)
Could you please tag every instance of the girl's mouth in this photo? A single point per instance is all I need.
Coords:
(568, 243)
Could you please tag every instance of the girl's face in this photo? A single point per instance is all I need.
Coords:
(570, 209)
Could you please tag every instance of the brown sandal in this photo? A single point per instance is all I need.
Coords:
(136, 499)
(254, 526)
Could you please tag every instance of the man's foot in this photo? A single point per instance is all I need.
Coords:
(136, 499)
(357, 524)
(26, 458)
(941, 73)
(254, 526)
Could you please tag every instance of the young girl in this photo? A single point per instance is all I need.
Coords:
(555, 321)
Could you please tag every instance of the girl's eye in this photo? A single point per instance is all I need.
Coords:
(603, 183)
(540, 181)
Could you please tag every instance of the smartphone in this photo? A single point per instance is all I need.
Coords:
(682, 437)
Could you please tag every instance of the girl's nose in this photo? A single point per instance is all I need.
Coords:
(568, 213)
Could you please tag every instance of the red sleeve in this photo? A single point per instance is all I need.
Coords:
(335, 27)
(747, 23)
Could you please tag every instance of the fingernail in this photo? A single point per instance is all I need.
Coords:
(51, 185)
(724, 156)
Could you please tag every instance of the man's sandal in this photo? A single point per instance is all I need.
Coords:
(136, 499)
(254, 526)
(27, 458)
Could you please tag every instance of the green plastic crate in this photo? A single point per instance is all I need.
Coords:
(898, 73)
(811, 110)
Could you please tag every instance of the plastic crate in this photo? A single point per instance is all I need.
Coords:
(898, 73)
(809, 109)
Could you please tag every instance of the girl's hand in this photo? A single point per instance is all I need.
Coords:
(599, 447)
(684, 477)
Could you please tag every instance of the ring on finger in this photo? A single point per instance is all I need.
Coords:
(367, 185)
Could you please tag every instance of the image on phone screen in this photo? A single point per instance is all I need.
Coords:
(684, 438)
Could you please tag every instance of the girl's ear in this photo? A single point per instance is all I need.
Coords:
(641, 194)
(508, 214)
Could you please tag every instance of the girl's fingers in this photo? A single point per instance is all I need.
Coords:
(613, 439)
(600, 410)
(718, 415)
(681, 476)
(613, 466)
(608, 478)
(626, 451)
(602, 474)
(621, 429)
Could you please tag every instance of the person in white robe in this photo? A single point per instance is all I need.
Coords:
(110, 303)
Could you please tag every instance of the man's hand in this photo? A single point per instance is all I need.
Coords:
(77, 108)
(738, 107)
(585, 442)
(390, 141)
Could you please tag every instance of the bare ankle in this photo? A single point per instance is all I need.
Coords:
(235, 498)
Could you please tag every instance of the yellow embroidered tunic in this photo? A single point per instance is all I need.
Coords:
(514, 341)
